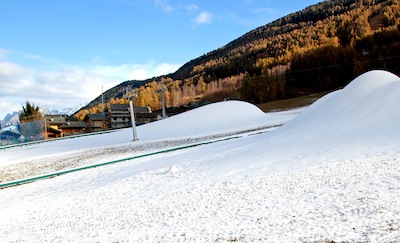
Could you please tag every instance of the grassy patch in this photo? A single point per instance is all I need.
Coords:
(287, 104)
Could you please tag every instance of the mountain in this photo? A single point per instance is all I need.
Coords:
(320, 48)
(66, 111)
(10, 119)
(13, 119)
(118, 91)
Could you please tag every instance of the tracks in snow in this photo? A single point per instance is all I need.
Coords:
(56, 165)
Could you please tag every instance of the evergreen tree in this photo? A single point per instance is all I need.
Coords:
(30, 112)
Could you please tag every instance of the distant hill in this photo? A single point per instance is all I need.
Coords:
(319, 48)
(10, 119)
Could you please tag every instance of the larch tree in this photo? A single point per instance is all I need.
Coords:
(30, 112)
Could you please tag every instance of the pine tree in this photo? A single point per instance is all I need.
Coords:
(30, 112)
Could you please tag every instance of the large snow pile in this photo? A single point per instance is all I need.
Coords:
(222, 117)
(367, 110)
(332, 173)
(359, 121)
(212, 120)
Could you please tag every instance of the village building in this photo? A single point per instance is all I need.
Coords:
(96, 122)
(63, 125)
(53, 125)
(119, 115)
(73, 128)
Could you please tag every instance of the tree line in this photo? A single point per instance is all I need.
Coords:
(320, 48)
(176, 93)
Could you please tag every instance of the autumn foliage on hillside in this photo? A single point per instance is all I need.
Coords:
(176, 94)
(320, 48)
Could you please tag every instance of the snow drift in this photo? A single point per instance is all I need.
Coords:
(359, 121)
(217, 118)
(224, 192)
(366, 108)
(365, 116)
(362, 120)
(210, 120)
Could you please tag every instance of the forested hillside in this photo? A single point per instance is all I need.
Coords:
(320, 48)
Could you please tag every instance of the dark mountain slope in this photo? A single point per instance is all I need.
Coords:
(261, 59)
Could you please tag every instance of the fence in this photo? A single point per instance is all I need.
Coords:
(25, 132)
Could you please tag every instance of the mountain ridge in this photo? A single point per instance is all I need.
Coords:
(184, 70)
(10, 119)
(269, 50)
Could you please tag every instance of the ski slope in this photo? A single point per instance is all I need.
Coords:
(330, 173)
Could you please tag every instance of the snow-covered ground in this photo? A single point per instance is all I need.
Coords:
(203, 124)
(331, 173)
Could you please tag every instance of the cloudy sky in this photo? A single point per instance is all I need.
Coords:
(59, 54)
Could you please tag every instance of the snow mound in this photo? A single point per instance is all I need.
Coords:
(210, 120)
(360, 121)
(224, 191)
(367, 108)
(214, 118)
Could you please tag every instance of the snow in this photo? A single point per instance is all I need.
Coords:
(219, 118)
(331, 172)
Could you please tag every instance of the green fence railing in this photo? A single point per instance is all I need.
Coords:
(59, 173)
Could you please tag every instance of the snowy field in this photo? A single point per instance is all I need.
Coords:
(330, 173)
(204, 124)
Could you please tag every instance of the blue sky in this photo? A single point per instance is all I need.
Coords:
(59, 54)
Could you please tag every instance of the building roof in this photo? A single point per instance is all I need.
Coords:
(119, 107)
(9, 133)
(125, 107)
(55, 119)
(141, 109)
(53, 130)
(97, 117)
(74, 124)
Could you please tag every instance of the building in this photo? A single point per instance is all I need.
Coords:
(119, 115)
(63, 125)
(73, 128)
(53, 125)
(144, 115)
(96, 122)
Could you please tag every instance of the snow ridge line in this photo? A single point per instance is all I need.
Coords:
(59, 173)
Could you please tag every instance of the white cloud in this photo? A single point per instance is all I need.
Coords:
(8, 106)
(191, 7)
(258, 17)
(204, 18)
(165, 6)
(264, 10)
(136, 71)
(166, 68)
(3, 53)
(8, 71)
(56, 89)
(67, 87)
